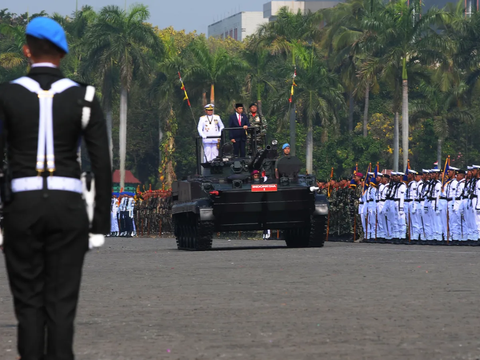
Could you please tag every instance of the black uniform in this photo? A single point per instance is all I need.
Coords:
(46, 231)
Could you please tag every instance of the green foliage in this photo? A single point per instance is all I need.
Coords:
(366, 46)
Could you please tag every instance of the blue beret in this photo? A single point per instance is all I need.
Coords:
(285, 145)
(48, 29)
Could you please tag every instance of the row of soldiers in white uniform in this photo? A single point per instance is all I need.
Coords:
(420, 210)
(122, 220)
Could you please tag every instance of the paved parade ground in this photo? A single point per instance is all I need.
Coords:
(143, 299)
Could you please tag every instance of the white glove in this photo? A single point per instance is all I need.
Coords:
(414, 210)
(437, 211)
(95, 240)
(204, 136)
(1, 238)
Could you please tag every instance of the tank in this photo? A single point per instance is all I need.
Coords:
(222, 197)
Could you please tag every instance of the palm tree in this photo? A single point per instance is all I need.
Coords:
(444, 108)
(348, 35)
(214, 67)
(319, 92)
(120, 39)
(413, 41)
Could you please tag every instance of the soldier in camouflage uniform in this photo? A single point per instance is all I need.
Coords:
(259, 123)
(344, 221)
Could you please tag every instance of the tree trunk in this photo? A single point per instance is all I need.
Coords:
(108, 111)
(405, 126)
(396, 135)
(365, 111)
(204, 98)
(123, 134)
(309, 152)
(351, 108)
(439, 152)
(259, 101)
(212, 94)
(292, 130)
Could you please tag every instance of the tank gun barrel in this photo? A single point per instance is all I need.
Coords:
(257, 161)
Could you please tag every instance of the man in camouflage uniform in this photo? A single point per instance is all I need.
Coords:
(257, 121)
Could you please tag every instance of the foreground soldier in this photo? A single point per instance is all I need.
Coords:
(45, 220)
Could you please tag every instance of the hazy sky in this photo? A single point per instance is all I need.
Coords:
(181, 14)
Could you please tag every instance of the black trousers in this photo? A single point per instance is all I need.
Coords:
(239, 147)
(46, 238)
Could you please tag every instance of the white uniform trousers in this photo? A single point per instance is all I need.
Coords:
(113, 222)
(470, 220)
(463, 220)
(428, 220)
(401, 225)
(372, 213)
(362, 212)
(381, 231)
(416, 220)
(437, 225)
(443, 218)
(454, 224)
(389, 219)
(211, 151)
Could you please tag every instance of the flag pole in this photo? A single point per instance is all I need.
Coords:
(191, 110)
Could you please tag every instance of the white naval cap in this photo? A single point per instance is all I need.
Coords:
(412, 171)
(453, 168)
(393, 173)
(209, 106)
(371, 173)
(475, 166)
(426, 171)
(469, 168)
(400, 174)
(435, 170)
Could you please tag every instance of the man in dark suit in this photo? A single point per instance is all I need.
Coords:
(238, 137)
(46, 227)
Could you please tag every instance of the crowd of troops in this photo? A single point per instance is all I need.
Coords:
(122, 215)
(414, 208)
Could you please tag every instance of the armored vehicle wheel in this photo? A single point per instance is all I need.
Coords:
(193, 234)
(313, 236)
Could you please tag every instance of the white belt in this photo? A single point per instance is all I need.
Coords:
(53, 183)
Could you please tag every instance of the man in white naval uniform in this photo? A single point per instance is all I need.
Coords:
(381, 195)
(435, 192)
(210, 125)
(466, 206)
(113, 214)
(410, 205)
(371, 209)
(450, 217)
(476, 202)
(399, 206)
(388, 208)
(459, 233)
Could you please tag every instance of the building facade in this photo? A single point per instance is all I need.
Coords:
(243, 24)
(237, 26)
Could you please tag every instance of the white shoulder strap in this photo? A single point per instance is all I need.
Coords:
(87, 111)
(29, 84)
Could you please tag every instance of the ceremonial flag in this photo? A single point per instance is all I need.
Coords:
(293, 84)
(435, 164)
(329, 187)
(445, 172)
(405, 177)
(355, 169)
(367, 179)
(377, 169)
(184, 90)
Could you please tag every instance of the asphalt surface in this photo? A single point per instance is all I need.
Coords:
(143, 299)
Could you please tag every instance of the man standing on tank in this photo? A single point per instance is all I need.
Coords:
(286, 153)
(238, 137)
(258, 122)
(47, 233)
